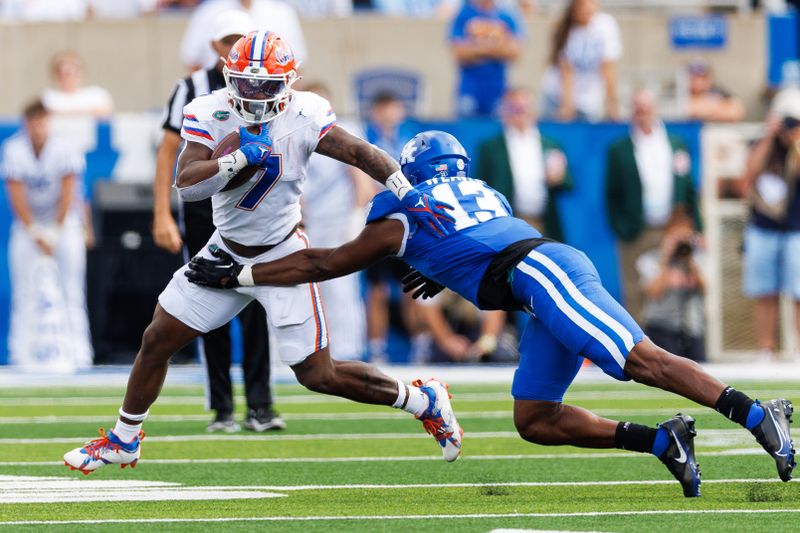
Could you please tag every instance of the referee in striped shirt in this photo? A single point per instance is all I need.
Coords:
(198, 226)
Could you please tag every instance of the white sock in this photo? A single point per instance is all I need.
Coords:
(127, 432)
(416, 401)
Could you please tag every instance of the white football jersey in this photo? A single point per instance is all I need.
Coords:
(265, 209)
(43, 175)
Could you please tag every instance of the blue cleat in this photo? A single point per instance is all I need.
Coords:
(679, 455)
(773, 434)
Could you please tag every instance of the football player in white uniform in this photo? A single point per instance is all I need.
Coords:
(256, 222)
(47, 251)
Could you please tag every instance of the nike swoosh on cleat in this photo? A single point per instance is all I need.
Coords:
(781, 436)
(682, 453)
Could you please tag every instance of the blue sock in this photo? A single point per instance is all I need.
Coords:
(755, 416)
(661, 442)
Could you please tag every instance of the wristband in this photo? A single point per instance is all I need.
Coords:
(245, 277)
(398, 184)
(231, 164)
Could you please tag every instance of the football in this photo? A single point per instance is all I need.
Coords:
(230, 144)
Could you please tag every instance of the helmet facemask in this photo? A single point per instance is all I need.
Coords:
(259, 98)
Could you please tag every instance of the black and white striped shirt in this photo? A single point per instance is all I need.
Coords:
(199, 83)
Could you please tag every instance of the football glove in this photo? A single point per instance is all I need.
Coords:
(219, 273)
(422, 286)
(429, 212)
(255, 147)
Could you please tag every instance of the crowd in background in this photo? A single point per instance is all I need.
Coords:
(75, 10)
(651, 195)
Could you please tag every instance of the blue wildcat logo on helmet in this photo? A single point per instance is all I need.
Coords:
(433, 154)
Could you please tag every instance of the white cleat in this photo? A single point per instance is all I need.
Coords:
(107, 450)
(439, 419)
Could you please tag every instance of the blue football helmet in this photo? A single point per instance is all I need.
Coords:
(433, 154)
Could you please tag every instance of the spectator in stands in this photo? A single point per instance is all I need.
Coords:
(442, 9)
(71, 95)
(322, 9)
(648, 176)
(168, 5)
(708, 101)
(388, 128)
(772, 235)
(674, 287)
(274, 15)
(333, 213)
(484, 40)
(581, 81)
(120, 9)
(42, 10)
(460, 333)
(529, 169)
(47, 256)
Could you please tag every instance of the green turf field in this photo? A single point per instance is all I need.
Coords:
(341, 466)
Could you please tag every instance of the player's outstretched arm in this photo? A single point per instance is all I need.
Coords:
(377, 240)
(347, 148)
(343, 146)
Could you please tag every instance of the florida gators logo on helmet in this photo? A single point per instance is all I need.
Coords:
(259, 73)
(283, 55)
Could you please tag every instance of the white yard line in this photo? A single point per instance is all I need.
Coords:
(613, 483)
(388, 415)
(403, 458)
(322, 399)
(724, 436)
(27, 489)
(437, 517)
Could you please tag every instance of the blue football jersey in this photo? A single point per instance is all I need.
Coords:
(484, 226)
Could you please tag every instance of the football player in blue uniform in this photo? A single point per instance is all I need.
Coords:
(497, 261)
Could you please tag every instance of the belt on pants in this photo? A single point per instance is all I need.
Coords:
(253, 251)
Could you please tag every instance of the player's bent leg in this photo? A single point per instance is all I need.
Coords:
(297, 323)
(183, 312)
(554, 424)
(581, 318)
(768, 422)
(364, 383)
(161, 340)
(163, 337)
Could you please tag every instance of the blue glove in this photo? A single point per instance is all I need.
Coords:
(255, 147)
(429, 212)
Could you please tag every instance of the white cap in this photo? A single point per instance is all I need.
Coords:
(232, 22)
(787, 103)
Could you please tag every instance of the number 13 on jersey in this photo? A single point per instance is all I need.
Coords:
(472, 202)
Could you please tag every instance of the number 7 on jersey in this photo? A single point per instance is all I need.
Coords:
(265, 180)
